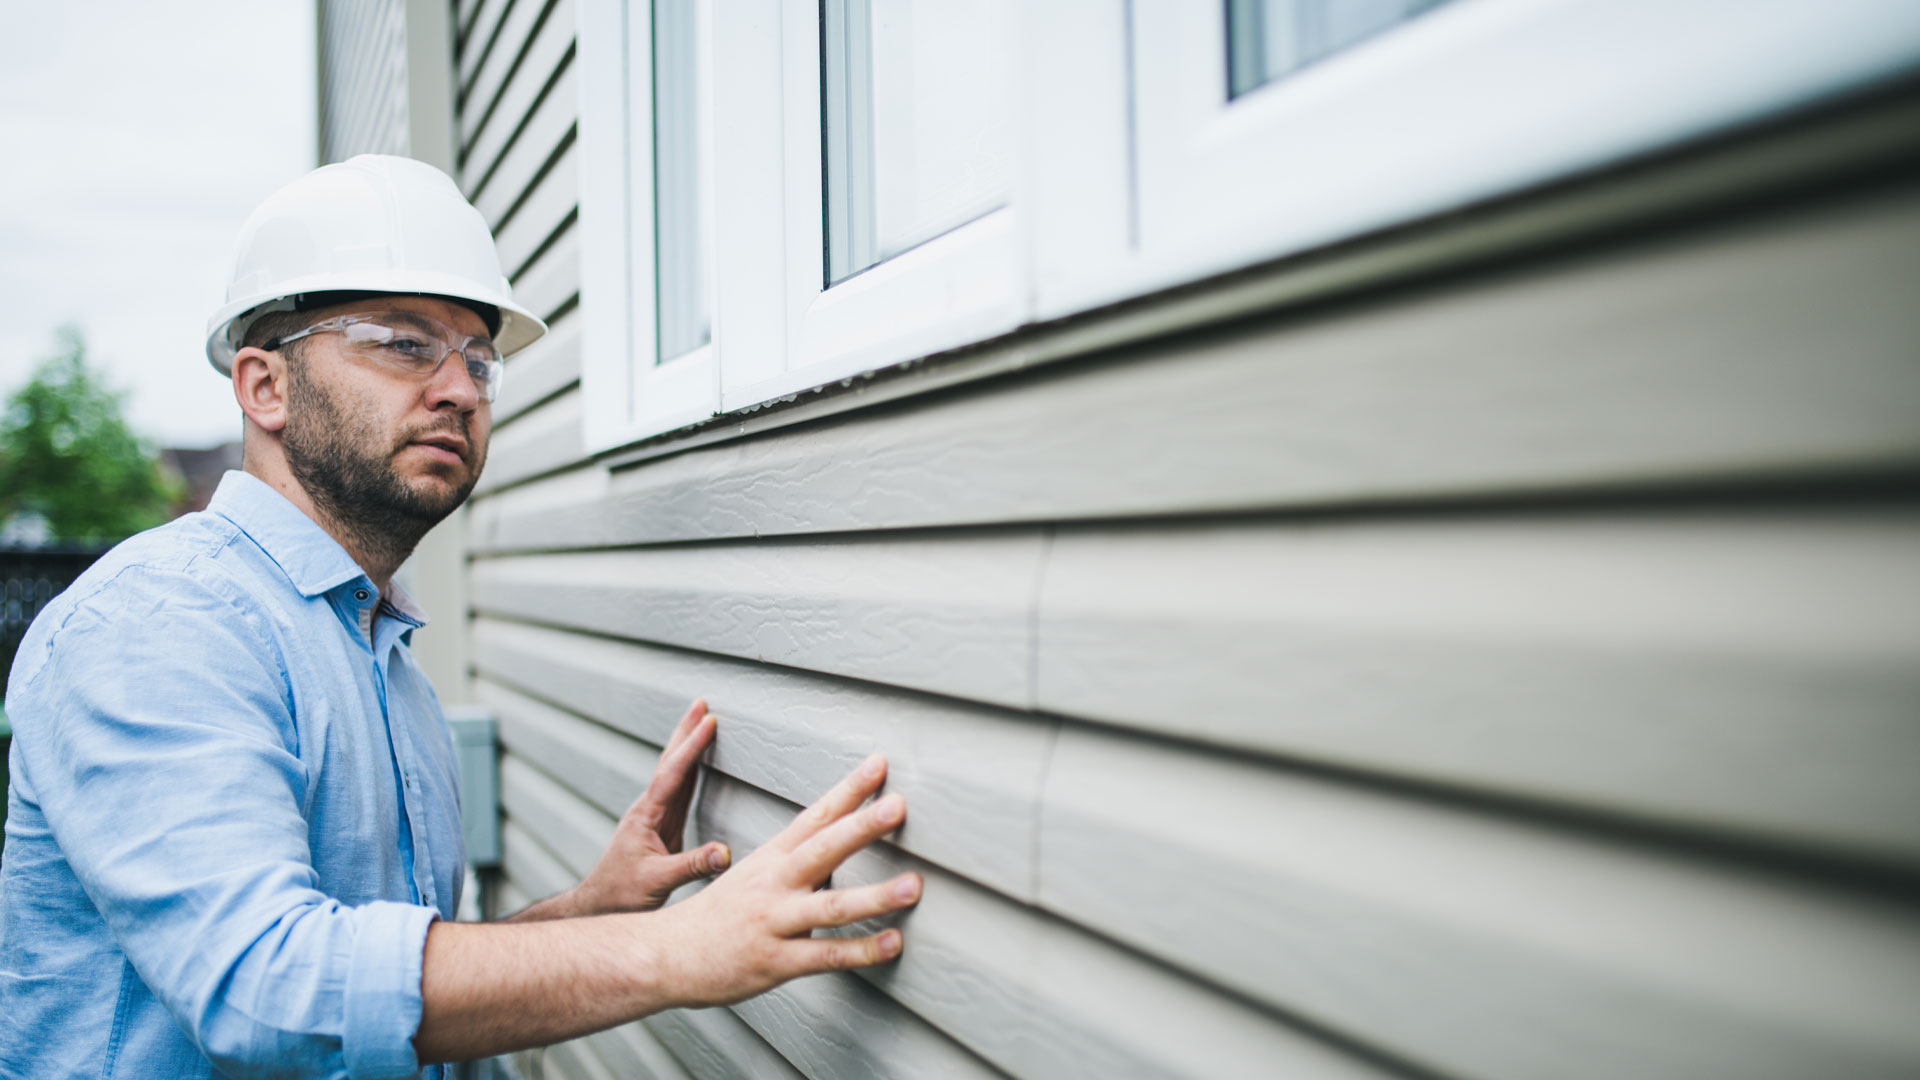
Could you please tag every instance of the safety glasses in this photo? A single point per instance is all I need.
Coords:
(412, 344)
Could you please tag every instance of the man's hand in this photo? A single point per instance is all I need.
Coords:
(751, 930)
(487, 988)
(643, 862)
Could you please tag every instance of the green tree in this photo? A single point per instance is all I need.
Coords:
(67, 454)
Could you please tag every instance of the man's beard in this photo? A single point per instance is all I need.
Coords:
(339, 458)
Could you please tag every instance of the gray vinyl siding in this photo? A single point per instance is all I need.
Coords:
(1507, 672)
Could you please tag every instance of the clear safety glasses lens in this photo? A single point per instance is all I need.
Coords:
(418, 350)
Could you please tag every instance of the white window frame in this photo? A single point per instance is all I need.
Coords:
(629, 392)
(1168, 181)
(961, 287)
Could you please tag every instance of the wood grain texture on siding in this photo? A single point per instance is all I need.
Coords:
(947, 614)
(1035, 995)
(479, 93)
(542, 369)
(546, 74)
(971, 774)
(1475, 943)
(1780, 347)
(714, 1044)
(540, 440)
(574, 1060)
(555, 196)
(1753, 672)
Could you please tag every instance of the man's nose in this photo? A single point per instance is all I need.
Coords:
(452, 384)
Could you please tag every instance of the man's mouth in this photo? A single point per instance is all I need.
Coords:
(450, 449)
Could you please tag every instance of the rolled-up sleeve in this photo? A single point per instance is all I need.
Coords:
(160, 740)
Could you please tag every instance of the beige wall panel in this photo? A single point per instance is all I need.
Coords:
(1474, 943)
(478, 27)
(948, 614)
(1755, 672)
(544, 368)
(971, 774)
(478, 94)
(574, 1060)
(633, 1051)
(540, 440)
(549, 126)
(1782, 347)
(575, 830)
(1035, 995)
(535, 90)
(555, 198)
(605, 767)
(714, 1044)
(552, 281)
(535, 870)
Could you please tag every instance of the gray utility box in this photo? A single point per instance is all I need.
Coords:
(475, 752)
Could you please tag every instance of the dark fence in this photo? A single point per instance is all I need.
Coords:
(31, 577)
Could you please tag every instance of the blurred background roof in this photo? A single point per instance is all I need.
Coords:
(136, 138)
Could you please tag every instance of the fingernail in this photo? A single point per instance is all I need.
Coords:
(890, 809)
(889, 942)
(871, 767)
(718, 858)
(906, 889)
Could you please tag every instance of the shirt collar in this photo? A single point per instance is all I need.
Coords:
(312, 560)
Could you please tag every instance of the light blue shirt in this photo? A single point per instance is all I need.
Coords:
(232, 815)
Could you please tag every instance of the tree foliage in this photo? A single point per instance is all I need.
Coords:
(67, 454)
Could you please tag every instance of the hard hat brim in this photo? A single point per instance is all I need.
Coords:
(519, 327)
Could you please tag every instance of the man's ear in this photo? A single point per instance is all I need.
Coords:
(259, 385)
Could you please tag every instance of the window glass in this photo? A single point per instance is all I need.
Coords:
(680, 220)
(916, 97)
(1266, 39)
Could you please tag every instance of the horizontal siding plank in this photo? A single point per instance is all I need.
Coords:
(553, 281)
(714, 1044)
(540, 440)
(971, 774)
(1032, 994)
(541, 370)
(632, 1051)
(1754, 672)
(1781, 347)
(508, 898)
(480, 27)
(549, 126)
(575, 1060)
(554, 196)
(516, 27)
(940, 613)
(541, 94)
(530, 866)
(574, 830)
(1474, 944)
(606, 768)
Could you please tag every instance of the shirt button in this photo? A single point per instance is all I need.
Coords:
(361, 595)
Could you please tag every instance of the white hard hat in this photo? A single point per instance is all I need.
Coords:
(373, 223)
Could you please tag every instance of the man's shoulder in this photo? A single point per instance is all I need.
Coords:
(196, 567)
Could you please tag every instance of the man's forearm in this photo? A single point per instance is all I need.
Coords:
(492, 988)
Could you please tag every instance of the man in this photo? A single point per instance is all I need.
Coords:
(233, 841)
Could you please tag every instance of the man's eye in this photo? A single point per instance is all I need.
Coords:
(407, 348)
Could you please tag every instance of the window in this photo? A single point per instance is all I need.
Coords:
(778, 195)
(648, 360)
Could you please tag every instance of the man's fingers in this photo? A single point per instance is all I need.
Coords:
(680, 730)
(838, 907)
(672, 782)
(702, 862)
(835, 804)
(816, 857)
(810, 956)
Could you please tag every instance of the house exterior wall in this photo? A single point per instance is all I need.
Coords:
(1493, 652)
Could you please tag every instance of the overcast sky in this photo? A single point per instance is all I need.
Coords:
(134, 139)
